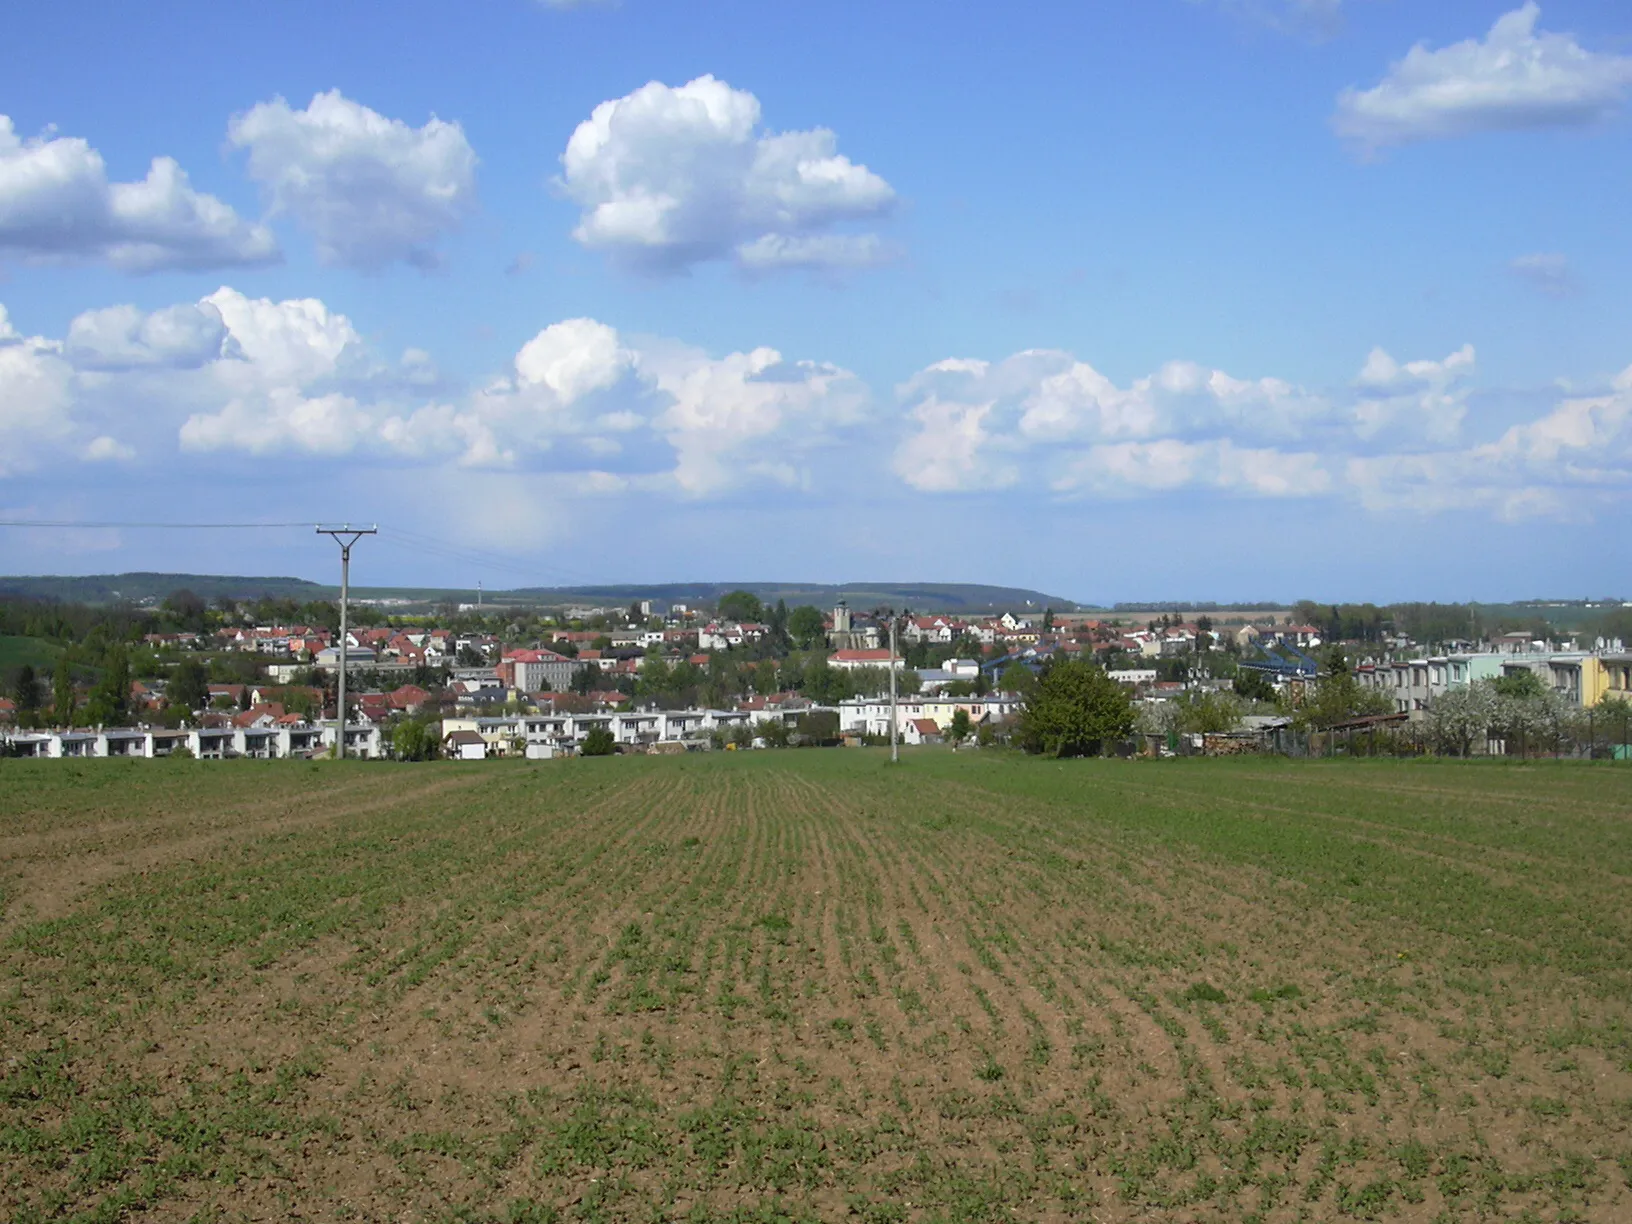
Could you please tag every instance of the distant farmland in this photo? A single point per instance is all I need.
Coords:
(808, 986)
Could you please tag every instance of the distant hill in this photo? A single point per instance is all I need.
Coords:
(139, 588)
(863, 596)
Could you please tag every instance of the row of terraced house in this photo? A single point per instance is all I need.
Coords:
(1582, 678)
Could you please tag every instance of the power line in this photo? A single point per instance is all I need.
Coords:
(408, 541)
(520, 565)
(69, 524)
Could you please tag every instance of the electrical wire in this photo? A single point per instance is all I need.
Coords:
(411, 542)
(465, 552)
(67, 524)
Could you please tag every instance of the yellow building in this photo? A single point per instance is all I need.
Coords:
(1617, 675)
(1582, 680)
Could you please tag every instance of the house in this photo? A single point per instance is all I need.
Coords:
(851, 660)
(409, 699)
(465, 746)
(871, 715)
(938, 629)
(921, 731)
(1133, 677)
(329, 656)
(537, 671)
(1617, 675)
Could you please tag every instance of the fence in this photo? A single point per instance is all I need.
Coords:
(1584, 736)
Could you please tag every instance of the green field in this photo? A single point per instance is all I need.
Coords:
(808, 986)
(34, 652)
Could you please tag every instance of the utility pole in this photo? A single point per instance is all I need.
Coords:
(895, 724)
(895, 718)
(345, 536)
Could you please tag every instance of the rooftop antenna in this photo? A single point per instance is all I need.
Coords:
(344, 535)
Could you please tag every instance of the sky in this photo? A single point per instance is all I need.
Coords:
(1120, 300)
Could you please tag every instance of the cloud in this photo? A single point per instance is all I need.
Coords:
(124, 338)
(980, 425)
(586, 411)
(1517, 78)
(1129, 468)
(56, 203)
(1312, 18)
(1547, 273)
(108, 450)
(573, 358)
(672, 177)
(36, 397)
(1591, 433)
(371, 190)
(1426, 399)
(1043, 422)
(649, 414)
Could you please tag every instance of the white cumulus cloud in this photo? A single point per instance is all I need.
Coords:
(978, 425)
(1398, 440)
(1515, 78)
(36, 399)
(669, 176)
(1427, 399)
(371, 190)
(123, 337)
(57, 203)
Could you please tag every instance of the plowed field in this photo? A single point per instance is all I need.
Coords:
(810, 986)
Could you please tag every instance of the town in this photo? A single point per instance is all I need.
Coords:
(257, 679)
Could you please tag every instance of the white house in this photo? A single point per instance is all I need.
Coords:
(851, 660)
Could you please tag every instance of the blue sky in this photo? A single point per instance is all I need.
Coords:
(1171, 299)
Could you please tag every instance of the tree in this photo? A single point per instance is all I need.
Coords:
(1520, 684)
(807, 627)
(818, 727)
(1251, 685)
(25, 690)
(1459, 717)
(1338, 698)
(598, 742)
(655, 678)
(110, 701)
(1017, 678)
(1048, 620)
(821, 682)
(1076, 710)
(773, 731)
(959, 728)
(414, 740)
(189, 686)
(187, 608)
(1207, 713)
(741, 606)
(62, 694)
